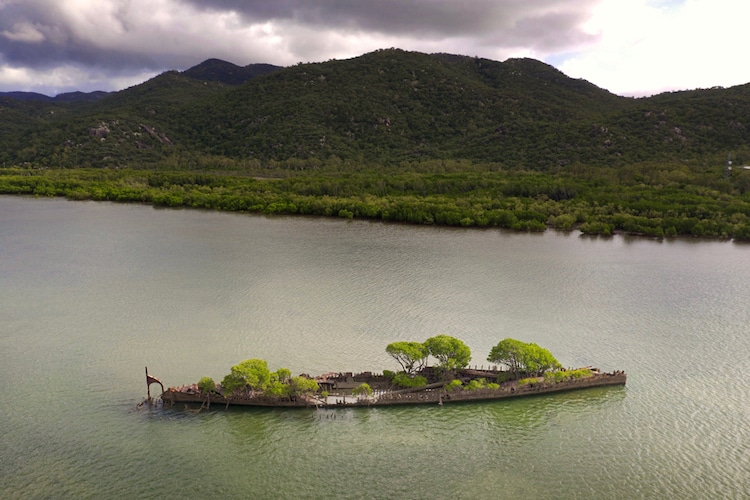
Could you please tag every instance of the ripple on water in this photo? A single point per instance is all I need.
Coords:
(93, 292)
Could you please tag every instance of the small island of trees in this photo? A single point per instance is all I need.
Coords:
(519, 368)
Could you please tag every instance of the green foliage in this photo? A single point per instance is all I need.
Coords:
(509, 353)
(283, 385)
(206, 385)
(388, 108)
(539, 360)
(302, 385)
(603, 203)
(529, 380)
(277, 389)
(451, 352)
(453, 385)
(561, 376)
(520, 357)
(479, 383)
(405, 381)
(410, 355)
(555, 377)
(388, 374)
(476, 384)
(362, 389)
(249, 374)
(580, 373)
(283, 375)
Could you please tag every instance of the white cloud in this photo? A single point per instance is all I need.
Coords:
(631, 47)
(24, 32)
(65, 78)
(646, 48)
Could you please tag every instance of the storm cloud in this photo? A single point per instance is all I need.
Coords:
(628, 47)
(509, 23)
(135, 37)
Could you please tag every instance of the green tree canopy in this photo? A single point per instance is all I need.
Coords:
(362, 389)
(284, 385)
(509, 353)
(410, 355)
(539, 360)
(251, 373)
(206, 385)
(449, 351)
(302, 385)
(519, 357)
(283, 375)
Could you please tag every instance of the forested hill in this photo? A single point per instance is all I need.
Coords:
(383, 108)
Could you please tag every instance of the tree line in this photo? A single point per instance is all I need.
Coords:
(653, 200)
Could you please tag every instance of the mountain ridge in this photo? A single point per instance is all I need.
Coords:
(384, 107)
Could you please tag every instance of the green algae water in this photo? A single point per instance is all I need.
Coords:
(90, 293)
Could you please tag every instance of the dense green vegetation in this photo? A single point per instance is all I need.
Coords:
(362, 389)
(412, 356)
(521, 357)
(562, 375)
(253, 376)
(382, 108)
(517, 359)
(406, 381)
(648, 199)
(397, 136)
(450, 352)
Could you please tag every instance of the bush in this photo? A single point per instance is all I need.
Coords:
(363, 389)
(302, 385)
(276, 389)
(555, 377)
(206, 385)
(389, 374)
(561, 376)
(530, 380)
(405, 381)
(581, 373)
(475, 385)
(454, 384)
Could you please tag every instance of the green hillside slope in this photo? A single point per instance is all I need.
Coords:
(383, 108)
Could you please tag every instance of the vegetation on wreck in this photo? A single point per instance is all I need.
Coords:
(521, 364)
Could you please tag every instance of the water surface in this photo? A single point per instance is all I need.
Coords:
(90, 293)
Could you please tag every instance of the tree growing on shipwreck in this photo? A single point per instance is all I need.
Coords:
(254, 375)
(451, 352)
(412, 356)
(521, 357)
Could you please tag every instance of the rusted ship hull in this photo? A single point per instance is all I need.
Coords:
(390, 398)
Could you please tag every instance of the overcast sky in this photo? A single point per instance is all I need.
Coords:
(630, 47)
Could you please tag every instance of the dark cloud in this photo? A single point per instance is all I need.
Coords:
(121, 37)
(38, 34)
(504, 20)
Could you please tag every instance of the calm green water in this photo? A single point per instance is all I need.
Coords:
(90, 293)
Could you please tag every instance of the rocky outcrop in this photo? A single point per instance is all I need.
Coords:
(101, 131)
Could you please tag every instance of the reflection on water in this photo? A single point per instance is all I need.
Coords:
(92, 292)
